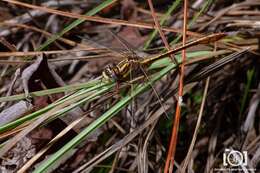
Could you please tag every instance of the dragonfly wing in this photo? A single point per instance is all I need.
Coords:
(102, 45)
(133, 52)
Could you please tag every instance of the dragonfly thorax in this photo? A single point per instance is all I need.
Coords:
(121, 71)
(111, 72)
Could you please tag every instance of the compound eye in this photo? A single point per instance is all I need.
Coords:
(107, 72)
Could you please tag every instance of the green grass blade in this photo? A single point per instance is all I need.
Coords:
(166, 61)
(250, 74)
(202, 10)
(68, 88)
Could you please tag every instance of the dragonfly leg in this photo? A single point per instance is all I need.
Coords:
(117, 88)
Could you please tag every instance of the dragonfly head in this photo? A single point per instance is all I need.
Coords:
(111, 73)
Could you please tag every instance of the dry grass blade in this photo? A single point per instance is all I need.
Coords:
(13, 132)
(226, 10)
(194, 137)
(143, 154)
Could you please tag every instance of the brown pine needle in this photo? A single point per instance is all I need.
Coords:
(173, 142)
(157, 24)
(47, 34)
(34, 53)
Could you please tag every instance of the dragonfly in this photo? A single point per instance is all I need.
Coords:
(120, 72)
(132, 63)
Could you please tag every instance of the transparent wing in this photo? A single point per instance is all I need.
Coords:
(130, 49)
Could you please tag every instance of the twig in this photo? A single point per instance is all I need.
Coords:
(173, 142)
(7, 44)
